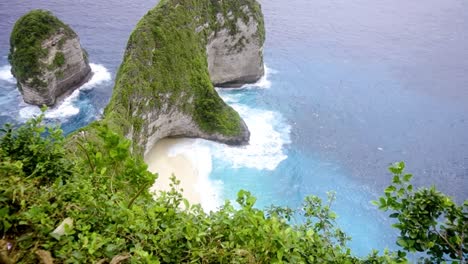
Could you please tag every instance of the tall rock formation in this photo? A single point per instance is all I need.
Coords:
(178, 50)
(46, 58)
(235, 52)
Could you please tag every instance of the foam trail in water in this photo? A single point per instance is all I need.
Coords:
(5, 74)
(200, 155)
(67, 107)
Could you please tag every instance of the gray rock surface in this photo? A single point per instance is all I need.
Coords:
(63, 80)
(236, 59)
(170, 122)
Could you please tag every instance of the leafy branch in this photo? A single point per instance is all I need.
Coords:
(428, 220)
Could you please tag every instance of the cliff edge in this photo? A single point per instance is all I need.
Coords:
(178, 50)
(46, 58)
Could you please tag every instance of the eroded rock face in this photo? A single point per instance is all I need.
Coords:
(60, 80)
(235, 59)
(50, 66)
(175, 123)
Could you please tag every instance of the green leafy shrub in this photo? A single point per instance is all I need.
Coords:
(89, 202)
(36, 154)
(428, 220)
(59, 59)
(101, 191)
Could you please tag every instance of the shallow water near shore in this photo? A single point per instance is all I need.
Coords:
(351, 87)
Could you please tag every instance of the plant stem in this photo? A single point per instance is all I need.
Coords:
(136, 196)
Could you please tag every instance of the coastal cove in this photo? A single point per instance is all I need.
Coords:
(340, 101)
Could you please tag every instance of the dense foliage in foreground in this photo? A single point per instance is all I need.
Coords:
(89, 203)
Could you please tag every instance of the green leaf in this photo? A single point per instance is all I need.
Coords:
(401, 254)
(6, 225)
(397, 168)
(279, 255)
(4, 212)
(113, 153)
(160, 209)
(401, 192)
(394, 215)
(383, 201)
(401, 242)
(390, 189)
(186, 203)
(407, 177)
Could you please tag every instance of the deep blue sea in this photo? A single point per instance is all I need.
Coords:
(352, 86)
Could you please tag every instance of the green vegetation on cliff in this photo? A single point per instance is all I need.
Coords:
(25, 44)
(100, 190)
(231, 11)
(165, 67)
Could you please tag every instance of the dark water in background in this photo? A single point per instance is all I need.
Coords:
(355, 86)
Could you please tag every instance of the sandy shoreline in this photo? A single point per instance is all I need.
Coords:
(160, 160)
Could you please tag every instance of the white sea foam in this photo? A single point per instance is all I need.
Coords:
(264, 82)
(67, 107)
(199, 154)
(269, 134)
(5, 74)
(100, 75)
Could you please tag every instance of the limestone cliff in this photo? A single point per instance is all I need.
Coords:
(163, 87)
(46, 58)
(235, 56)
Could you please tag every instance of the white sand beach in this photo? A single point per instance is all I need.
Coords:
(160, 160)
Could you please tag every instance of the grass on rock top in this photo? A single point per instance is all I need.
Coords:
(26, 44)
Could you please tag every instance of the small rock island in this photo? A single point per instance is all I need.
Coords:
(175, 56)
(46, 58)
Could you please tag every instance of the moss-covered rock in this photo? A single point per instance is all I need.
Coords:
(163, 87)
(46, 58)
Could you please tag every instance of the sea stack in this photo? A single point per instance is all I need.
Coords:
(176, 54)
(46, 58)
(235, 50)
